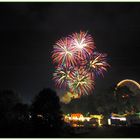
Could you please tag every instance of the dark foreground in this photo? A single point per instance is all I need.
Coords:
(111, 132)
(44, 132)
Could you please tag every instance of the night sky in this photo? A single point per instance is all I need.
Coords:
(29, 31)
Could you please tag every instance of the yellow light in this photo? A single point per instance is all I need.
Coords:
(109, 121)
(128, 80)
(99, 122)
(118, 115)
(97, 116)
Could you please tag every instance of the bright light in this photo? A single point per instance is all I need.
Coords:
(97, 116)
(128, 80)
(119, 118)
(109, 121)
(78, 117)
(87, 118)
(118, 115)
(99, 122)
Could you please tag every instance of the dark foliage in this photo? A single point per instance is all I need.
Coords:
(117, 100)
(46, 113)
(42, 119)
(8, 100)
(126, 100)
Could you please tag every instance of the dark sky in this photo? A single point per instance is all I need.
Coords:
(29, 30)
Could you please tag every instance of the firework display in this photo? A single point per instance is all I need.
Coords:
(64, 52)
(62, 76)
(96, 63)
(77, 63)
(82, 82)
(83, 44)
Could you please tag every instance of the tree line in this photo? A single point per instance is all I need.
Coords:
(42, 118)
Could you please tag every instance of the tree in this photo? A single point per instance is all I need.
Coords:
(126, 99)
(8, 99)
(20, 112)
(46, 109)
(105, 101)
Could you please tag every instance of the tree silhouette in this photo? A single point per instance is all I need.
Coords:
(21, 112)
(95, 103)
(46, 109)
(126, 99)
(8, 99)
